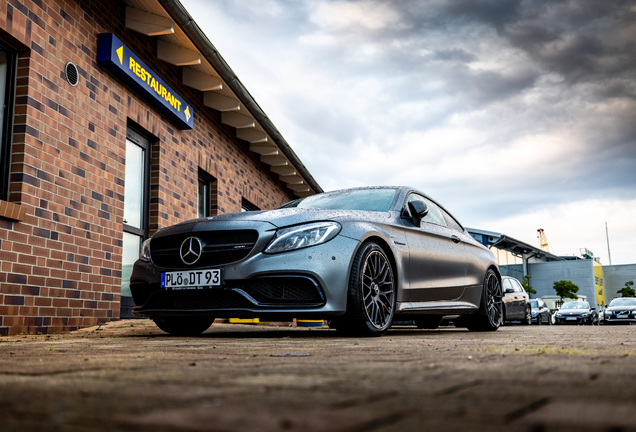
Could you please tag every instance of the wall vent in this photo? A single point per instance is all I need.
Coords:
(72, 74)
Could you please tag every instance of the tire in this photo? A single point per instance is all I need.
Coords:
(429, 322)
(371, 294)
(184, 326)
(490, 315)
(539, 319)
(528, 318)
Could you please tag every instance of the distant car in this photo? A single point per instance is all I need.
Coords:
(540, 312)
(621, 310)
(516, 301)
(576, 312)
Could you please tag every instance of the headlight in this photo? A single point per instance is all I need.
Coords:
(302, 236)
(584, 314)
(144, 252)
(634, 312)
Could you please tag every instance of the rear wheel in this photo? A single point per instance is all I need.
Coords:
(527, 320)
(184, 326)
(371, 296)
(490, 315)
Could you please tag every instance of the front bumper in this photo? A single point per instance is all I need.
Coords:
(306, 283)
(619, 320)
(574, 320)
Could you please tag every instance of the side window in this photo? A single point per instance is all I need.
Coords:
(434, 212)
(451, 222)
(517, 286)
(506, 284)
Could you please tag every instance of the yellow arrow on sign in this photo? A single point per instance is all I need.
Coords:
(187, 113)
(120, 54)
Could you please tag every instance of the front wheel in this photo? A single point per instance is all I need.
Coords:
(184, 326)
(371, 295)
(490, 315)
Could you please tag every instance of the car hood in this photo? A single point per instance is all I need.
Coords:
(281, 217)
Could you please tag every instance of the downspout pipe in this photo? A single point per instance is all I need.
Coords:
(183, 19)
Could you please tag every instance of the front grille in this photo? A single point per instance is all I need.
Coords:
(256, 293)
(283, 290)
(219, 248)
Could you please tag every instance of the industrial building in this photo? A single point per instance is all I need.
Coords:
(597, 283)
(120, 118)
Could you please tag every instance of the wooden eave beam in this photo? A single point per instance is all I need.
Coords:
(219, 102)
(176, 54)
(201, 81)
(237, 120)
(148, 23)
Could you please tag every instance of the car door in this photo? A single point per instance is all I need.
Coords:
(522, 298)
(437, 262)
(510, 299)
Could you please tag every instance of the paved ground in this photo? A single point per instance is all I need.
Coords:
(128, 375)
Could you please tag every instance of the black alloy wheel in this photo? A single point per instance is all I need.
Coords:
(184, 326)
(490, 315)
(539, 319)
(527, 320)
(371, 296)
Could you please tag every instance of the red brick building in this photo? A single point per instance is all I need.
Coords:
(93, 161)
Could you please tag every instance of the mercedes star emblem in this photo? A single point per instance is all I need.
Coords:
(190, 250)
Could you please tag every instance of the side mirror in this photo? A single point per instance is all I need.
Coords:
(509, 290)
(418, 209)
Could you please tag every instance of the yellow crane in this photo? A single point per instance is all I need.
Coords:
(543, 240)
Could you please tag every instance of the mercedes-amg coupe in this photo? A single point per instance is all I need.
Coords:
(359, 258)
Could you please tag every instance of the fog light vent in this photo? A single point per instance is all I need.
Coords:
(72, 75)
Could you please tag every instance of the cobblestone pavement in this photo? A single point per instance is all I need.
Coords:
(128, 375)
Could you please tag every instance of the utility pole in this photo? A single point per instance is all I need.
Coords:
(608, 246)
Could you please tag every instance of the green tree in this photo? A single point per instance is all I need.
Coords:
(526, 285)
(628, 291)
(565, 289)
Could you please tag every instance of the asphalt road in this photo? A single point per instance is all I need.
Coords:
(128, 375)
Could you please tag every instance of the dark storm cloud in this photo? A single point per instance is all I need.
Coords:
(581, 40)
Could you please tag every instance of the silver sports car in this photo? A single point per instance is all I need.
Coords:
(359, 258)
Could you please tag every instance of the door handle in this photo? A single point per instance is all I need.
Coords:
(455, 239)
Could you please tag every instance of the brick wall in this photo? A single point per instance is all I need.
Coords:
(61, 265)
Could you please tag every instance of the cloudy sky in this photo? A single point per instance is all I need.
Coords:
(515, 115)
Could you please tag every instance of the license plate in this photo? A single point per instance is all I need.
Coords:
(192, 279)
(571, 318)
(622, 316)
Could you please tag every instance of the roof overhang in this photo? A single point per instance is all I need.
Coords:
(181, 42)
(512, 245)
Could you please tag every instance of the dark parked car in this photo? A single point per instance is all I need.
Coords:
(540, 312)
(516, 301)
(576, 312)
(359, 258)
(621, 310)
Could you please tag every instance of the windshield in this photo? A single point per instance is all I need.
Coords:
(623, 302)
(378, 200)
(575, 305)
(534, 304)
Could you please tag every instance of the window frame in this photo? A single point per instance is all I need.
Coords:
(8, 105)
(143, 142)
(207, 181)
(247, 206)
